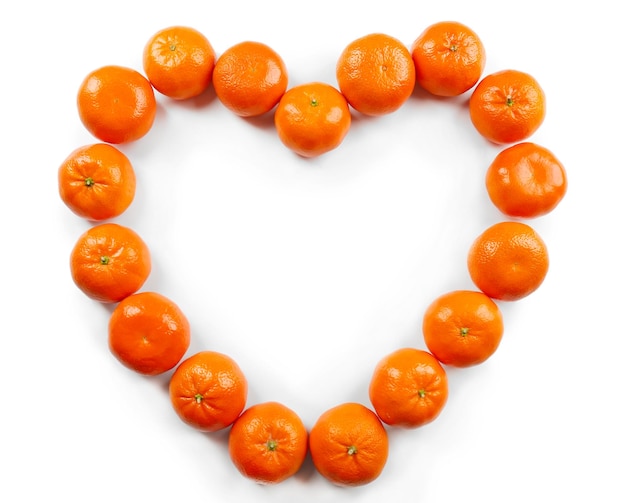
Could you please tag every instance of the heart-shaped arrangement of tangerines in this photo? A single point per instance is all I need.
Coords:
(376, 74)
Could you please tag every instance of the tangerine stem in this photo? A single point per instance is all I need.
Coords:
(198, 397)
(271, 444)
(314, 102)
(422, 393)
(104, 260)
(509, 101)
(352, 450)
(464, 331)
(89, 181)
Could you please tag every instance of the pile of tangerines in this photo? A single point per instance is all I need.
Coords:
(376, 74)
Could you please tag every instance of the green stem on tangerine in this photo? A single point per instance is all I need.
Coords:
(464, 331)
(352, 450)
(509, 101)
(314, 102)
(271, 444)
(422, 393)
(89, 181)
(198, 397)
(104, 260)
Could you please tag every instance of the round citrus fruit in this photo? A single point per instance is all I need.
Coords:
(312, 119)
(268, 443)
(349, 445)
(208, 391)
(449, 58)
(507, 106)
(179, 62)
(97, 182)
(376, 74)
(148, 333)
(526, 180)
(250, 78)
(508, 261)
(109, 262)
(116, 104)
(409, 388)
(462, 328)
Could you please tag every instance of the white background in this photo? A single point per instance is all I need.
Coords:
(307, 272)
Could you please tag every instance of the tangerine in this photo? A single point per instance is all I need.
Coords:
(462, 328)
(109, 262)
(179, 62)
(449, 58)
(508, 261)
(507, 106)
(208, 391)
(526, 180)
(376, 74)
(268, 443)
(148, 333)
(97, 182)
(116, 104)
(349, 445)
(409, 388)
(250, 78)
(312, 119)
